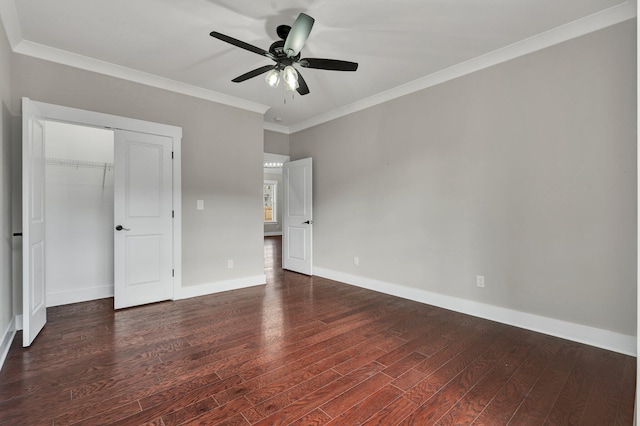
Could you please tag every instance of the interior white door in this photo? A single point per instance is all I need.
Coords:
(34, 304)
(297, 238)
(143, 203)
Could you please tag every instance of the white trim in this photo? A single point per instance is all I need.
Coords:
(272, 234)
(580, 27)
(98, 119)
(74, 60)
(219, 286)
(277, 128)
(177, 216)
(566, 330)
(79, 295)
(588, 24)
(7, 339)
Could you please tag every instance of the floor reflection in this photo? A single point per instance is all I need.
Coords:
(273, 258)
(273, 319)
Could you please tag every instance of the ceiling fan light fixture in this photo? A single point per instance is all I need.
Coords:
(291, 87)
(290, 77)
(273, 78)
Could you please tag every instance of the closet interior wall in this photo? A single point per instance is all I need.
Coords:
(79, 213)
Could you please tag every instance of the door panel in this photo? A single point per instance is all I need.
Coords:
(144, 198)
(34, 303)
(143, 209)
(297, 242)
(297, 194)
(145, 257)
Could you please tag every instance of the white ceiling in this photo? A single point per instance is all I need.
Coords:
(400, 45)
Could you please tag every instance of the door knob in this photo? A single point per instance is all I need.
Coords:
(308, 222)
(122, 228)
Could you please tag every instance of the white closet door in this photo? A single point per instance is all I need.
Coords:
(34, 303)
(143, 245)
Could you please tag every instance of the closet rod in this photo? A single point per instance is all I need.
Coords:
(81, 163)
(78, 163)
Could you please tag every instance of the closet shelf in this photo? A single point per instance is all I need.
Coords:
(79, 163)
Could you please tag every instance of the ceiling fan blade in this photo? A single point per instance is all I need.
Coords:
(253, 73)
(302, 89)
(328, 64)
(298, 35)
(241, 44)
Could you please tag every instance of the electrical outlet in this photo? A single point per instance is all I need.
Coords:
(230, 264)
(480, 281)
(356, 261)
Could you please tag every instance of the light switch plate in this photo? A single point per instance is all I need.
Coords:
(200, 204)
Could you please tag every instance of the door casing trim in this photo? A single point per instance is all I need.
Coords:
(82, 117)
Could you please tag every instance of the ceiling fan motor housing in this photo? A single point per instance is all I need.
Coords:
(277, 49)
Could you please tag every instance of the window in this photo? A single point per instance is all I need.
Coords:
(269, 195)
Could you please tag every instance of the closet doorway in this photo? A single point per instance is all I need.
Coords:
(79, 213)
(146, 206)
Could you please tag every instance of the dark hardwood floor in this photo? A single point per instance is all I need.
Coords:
(304, 351)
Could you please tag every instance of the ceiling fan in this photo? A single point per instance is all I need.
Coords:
(285, 53)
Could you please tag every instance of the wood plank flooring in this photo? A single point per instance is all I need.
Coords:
(304, 351)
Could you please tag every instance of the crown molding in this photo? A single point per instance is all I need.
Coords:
(586, 25)
(277, 128)
(64, 57)
(10, 21)
(597, 21)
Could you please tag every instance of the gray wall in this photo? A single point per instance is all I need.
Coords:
(222, 150)
(6, 239)
(276, 143)
(524, 172)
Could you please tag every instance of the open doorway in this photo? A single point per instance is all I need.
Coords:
(79, 213)
(272, 193)
(272, 203)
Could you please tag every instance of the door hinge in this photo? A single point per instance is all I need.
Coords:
(173, 213)
(173, 273)
(172, 155)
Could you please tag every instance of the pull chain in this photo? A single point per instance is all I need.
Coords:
(284, 98)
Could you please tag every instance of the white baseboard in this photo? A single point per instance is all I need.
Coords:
(219, 286)
(272, 234)
(79, 295)
(605, 339)
(7, 339)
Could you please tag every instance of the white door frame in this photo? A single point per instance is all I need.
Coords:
(81, 117)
